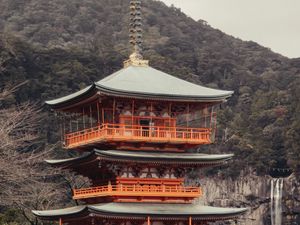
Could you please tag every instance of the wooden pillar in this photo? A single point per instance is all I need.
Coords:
(215, 127)
(60, 221)
(190, 220)
(205, 115)
(91, 116)
(187, 115)
(63, 127)
(211, 116)
(132, 113)
(148, 220)
(170, 112)
(114, 110)
(77, 122)
(102, 115)
(98, 113)
(83, 121)
(151, 111)
(70, 116)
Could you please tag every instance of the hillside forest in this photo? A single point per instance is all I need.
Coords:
(56, 47)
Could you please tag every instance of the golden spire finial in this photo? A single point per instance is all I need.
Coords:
(136, 40)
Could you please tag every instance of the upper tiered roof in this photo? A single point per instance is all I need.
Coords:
(144, 82)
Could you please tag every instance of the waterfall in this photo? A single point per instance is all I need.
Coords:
(276, 196)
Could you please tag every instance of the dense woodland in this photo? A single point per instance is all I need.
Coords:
(61, 46)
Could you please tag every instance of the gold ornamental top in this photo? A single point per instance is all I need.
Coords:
(136, 37)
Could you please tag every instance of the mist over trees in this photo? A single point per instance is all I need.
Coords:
(61, 46)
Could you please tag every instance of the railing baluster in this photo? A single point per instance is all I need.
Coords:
(92, 192)
(139, 132)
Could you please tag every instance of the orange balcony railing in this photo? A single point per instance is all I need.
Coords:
(150, 134)
(138, 191)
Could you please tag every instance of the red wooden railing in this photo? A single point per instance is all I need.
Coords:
(154, 134)
(138, 191)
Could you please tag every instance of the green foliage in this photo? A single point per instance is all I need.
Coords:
(11, 217)
(65, 45)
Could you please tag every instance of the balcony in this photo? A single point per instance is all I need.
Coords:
(106, 133)
(137, 192)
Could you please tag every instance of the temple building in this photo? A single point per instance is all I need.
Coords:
(133, 129)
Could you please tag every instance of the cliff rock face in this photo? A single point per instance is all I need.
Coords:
(253, 192)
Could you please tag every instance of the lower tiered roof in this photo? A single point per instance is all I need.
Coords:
(188, 159)
(140, 211)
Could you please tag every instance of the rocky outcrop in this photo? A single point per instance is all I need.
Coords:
(253, 192)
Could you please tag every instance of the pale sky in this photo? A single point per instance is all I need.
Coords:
(272, 23)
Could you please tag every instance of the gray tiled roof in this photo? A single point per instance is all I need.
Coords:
(147, 82)
(140, 210)
(137, 156)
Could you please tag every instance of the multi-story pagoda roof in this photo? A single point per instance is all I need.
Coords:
(136, 211)
(143, 82)
(184, 159)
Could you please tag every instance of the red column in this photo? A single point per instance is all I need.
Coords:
(190, 220)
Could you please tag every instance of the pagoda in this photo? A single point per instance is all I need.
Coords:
(133, 129)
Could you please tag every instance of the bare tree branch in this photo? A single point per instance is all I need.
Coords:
(26, 183)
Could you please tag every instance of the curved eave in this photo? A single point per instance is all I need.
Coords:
(162, 158)
(163, 97)
(59, 213)
(73, 99)
(141, 211)
(80, 96)
(192, 159)
(64, 163)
